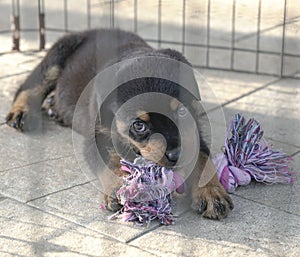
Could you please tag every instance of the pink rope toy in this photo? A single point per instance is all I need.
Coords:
(248, 156)
(146, 192)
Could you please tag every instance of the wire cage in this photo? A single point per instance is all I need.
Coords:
(258, 36)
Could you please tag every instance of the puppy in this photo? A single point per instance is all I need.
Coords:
(65, 73)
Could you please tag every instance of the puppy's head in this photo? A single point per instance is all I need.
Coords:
(147, 112)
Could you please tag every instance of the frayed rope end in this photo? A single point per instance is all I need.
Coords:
(248, 156)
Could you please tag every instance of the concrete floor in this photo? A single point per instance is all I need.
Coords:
(48, 207)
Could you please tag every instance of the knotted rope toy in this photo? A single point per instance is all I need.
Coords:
(249, 156)
(146, 193)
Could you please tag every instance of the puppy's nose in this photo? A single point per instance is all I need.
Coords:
(173, 155)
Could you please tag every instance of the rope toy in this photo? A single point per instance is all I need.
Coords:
(248, 156)
(146, 193)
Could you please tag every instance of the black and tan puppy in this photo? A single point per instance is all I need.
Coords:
(68, 68)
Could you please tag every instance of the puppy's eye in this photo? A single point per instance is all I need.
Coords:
(139, 126)
(181, 111)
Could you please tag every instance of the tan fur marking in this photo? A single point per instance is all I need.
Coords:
(122, 127)
(21, 102)
(154, 150)
(52, 74)
(174, 103)
(143, 116)
(102, 130)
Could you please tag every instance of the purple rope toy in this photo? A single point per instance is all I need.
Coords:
(146, 193)
(247, 155)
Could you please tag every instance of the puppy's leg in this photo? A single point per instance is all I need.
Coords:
(112, 181)
(28, 101)
(209, 197)
(111, 200)
(29, 97)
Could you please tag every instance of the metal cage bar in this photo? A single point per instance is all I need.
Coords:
(207, 33)
(283, 39)
(88, 14)
(41, 24)
(66, 25)
(15, 25)
(232, 35)
(135, 19)
(112, 14)
(183, 26)
(258, 37)
(159, 24)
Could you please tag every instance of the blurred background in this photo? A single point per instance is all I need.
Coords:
(253, 36)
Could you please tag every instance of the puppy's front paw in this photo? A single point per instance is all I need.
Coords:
(212, 201)
(16, 117)
(25, 111)
(111, 201)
